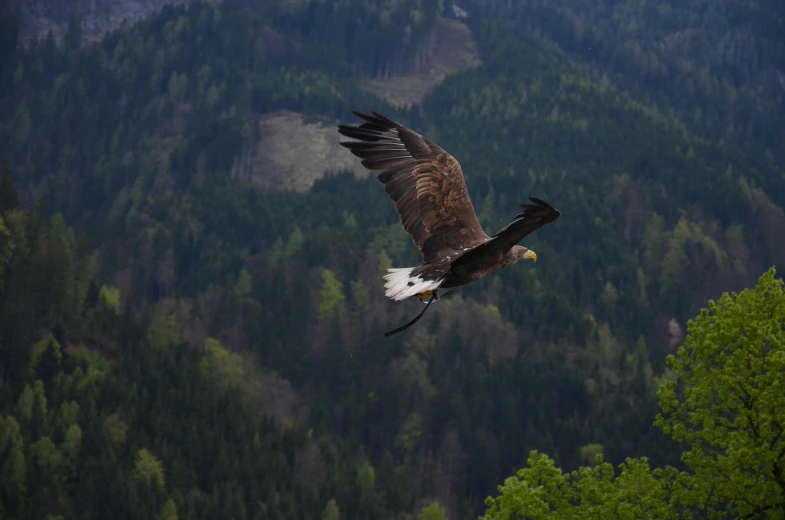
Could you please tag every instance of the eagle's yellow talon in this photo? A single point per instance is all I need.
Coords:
(424, 295)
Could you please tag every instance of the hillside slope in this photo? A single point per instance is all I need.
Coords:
(718, 66)
(98, 17)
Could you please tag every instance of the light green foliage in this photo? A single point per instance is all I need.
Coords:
(9, 433)
(39, 405)
(366, 478)
(727, 403)
(589, 453)
(359, 295)
(331, 295)
(542, 491)
(414, 370)
(392, 239)
(13, 474)
(119, 206)
(66, 415)
(109, 299)
(25, 403)
(163, 331)
(676, 261)
(277, 251)
(148, 470)
(46, 457)
(243, 287)
(90, 382)
(331, 511)
(294, 244)
(409, 434)
(385, 262)
(434, 511)
(106, 315)
(653, 242)
(72, 442)
(606, 343)
(609, 295)
(169, 511)
(220, 365)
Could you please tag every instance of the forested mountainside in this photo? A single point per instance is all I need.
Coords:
(97, 17)
(718, 66)
(234, 334)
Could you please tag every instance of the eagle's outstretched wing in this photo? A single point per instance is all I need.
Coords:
(425, 182)
(534, 216)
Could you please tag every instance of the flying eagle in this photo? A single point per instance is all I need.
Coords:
(427, 186)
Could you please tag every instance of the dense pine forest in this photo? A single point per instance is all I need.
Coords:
(176, 342)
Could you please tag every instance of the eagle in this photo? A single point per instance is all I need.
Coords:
(427, 186)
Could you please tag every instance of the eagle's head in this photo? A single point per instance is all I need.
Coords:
(521, 253)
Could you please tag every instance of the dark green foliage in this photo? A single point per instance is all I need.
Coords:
(9, 198)
(125, 436)
(718, 66)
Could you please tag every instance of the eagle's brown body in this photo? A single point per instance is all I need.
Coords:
(458, 271)
(427, 186)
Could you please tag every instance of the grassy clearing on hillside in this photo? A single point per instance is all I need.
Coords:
(453, 50)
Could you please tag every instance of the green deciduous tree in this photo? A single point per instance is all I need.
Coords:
(725, 402)
(366, 478)
(332, 296)
(163, 331)
(47, 460)
(542, 491)
(25, 404)
(433, 511)
(106, 314)
(169, 511)
(72, 442)
(13, 479)
(148, 470)
(331, 511)
(221, 366)
(109, 298)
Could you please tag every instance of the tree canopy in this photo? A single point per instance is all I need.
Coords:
(723, 402)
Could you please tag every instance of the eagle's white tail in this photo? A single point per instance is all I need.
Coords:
(401, 284)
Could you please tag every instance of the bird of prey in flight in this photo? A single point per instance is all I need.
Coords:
(427, 186)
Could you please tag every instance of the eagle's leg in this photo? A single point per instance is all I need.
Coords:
(404, 327)
(435, 293)
(423, 295)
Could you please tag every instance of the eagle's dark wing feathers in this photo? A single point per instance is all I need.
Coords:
(425, 182)
(534, 216)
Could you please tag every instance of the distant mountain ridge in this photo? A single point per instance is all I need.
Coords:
(38, 17)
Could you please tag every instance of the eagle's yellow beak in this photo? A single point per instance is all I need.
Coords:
(530, 255)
